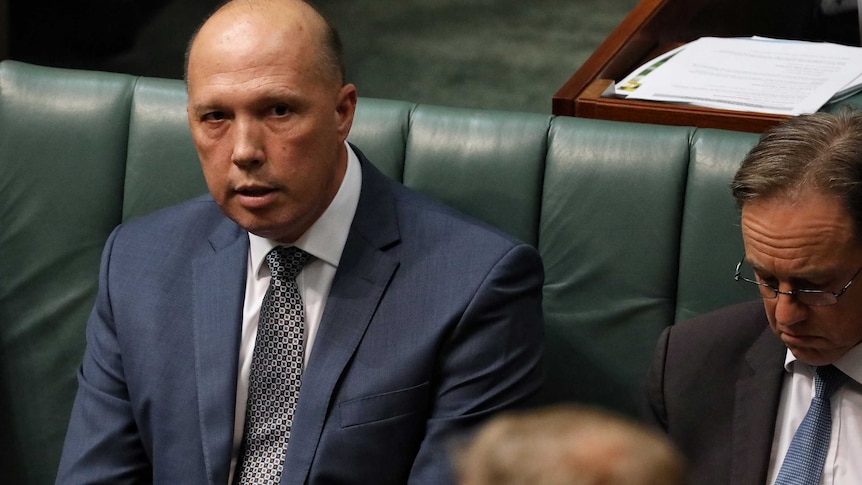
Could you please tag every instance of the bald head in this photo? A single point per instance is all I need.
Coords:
(249, 24)
(269, 115)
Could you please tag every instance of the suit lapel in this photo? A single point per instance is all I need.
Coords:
(758, 392)
(360, 282)
(219, 282)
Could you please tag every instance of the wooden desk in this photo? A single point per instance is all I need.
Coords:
(657, 26)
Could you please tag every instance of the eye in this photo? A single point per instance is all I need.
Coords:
(811, 285)
(766, 279)
(213, 116)
(280, 110)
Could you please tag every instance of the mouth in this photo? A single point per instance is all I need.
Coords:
(253, 190)
(255, 196)
(793, 340)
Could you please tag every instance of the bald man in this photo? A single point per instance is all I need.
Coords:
(412, 322)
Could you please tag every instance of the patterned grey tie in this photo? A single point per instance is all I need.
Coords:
(276, 371)
(806, 455)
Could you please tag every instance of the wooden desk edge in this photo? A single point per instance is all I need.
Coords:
(563, 102)
(591, 105)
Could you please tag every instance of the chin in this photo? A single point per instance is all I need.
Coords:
(814, 357)
(274, 232)
(262, 231)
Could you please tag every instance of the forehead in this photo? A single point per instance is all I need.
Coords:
(241, 40)
(803, 232)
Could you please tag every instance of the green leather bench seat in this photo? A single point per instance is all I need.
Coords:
(635, 224)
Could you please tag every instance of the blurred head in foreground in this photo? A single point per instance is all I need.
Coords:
(567, 445)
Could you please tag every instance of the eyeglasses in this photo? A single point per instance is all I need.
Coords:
(804, 296)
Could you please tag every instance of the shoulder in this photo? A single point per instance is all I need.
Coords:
(202, 209)
(189, 223)
(746, 318)
(441, 233)
(726, 332)
(424, 223)
(418, 207)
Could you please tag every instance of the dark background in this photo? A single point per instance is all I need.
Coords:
(502, 54)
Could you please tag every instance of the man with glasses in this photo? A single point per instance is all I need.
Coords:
(769, 391)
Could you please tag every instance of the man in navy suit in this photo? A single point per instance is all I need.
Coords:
(731, 388)
(419, 322)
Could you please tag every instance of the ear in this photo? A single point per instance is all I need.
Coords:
(344, 110)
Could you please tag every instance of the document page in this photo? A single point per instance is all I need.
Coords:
(751, 74)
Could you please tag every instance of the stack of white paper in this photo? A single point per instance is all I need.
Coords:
(749, 74)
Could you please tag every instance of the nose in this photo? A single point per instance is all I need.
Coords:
(247, 143)
(789, 311)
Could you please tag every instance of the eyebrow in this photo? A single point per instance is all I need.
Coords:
(266, 99)
(197, 108)
(809, 278)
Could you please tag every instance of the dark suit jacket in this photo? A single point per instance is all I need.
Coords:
(714, 387)
(433, 322)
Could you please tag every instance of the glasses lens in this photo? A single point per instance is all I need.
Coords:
(806, 297)
(747, 276)
(816, 298)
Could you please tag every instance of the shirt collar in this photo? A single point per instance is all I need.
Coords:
(849, 363)
(325, 238)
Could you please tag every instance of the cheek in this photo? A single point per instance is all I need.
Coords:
(210, 173)
(214, 155)
(214, 171)
(845, 325)
(209, 140)
(296, 158)
(216, 184)
(208, 148)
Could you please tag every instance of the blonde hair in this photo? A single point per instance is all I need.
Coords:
(568, 445)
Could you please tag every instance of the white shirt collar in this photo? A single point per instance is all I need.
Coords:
(325, 238)
(849, 363)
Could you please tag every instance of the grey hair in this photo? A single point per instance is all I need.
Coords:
(819, 151)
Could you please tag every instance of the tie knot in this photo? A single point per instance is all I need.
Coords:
(827, 380)
(286, 262)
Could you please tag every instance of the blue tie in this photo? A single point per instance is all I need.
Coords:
(806, 456)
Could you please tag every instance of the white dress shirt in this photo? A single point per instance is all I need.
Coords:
(843, 464)
(324, 241)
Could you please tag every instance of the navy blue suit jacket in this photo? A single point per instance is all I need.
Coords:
(714, 387)
(432, 324)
